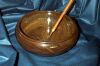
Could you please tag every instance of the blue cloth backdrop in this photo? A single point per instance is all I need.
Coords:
(85, 53)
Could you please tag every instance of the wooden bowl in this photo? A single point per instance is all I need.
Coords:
(33, 30)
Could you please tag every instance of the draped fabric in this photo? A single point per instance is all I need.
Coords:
(87, 49)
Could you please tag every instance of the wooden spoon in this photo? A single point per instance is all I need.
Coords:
(61, 16)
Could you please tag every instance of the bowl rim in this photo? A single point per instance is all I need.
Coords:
(45, 42)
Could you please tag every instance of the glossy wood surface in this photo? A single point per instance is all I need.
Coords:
(33, 30)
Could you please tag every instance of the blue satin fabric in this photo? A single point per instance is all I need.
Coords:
(85, 53)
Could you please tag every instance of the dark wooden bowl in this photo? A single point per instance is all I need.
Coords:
(33, 29)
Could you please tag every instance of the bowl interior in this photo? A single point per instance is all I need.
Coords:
(37, 26)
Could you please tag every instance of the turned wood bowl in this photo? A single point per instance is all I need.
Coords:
(33, 30)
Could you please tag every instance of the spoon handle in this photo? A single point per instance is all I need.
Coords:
(61, 16)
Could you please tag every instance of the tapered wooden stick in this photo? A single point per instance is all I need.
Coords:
(61, 16)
